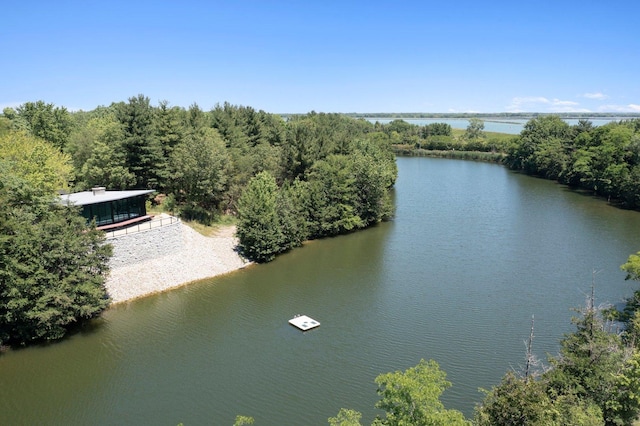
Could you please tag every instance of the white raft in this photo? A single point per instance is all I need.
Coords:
(303, 322)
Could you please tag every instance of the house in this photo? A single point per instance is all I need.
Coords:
(111, 209)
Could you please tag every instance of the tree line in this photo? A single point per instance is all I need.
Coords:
(604, 160)
(440, 140)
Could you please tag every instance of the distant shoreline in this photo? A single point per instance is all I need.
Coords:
(497, 115)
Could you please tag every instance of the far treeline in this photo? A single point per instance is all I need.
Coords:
(493, 116)
(604, 160)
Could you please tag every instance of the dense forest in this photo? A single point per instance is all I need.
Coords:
(311, 176)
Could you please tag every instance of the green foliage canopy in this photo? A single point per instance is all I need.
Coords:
(38, 162)
(52, 268)
(412, 397)
(604, 159)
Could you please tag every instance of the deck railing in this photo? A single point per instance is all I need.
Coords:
(156, 222)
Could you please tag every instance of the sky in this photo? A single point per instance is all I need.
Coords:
(325, 56)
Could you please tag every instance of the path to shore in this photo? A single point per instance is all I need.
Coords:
(200, 257)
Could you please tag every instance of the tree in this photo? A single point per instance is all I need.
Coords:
(518, 401)
(105, 167)
(258, 228)
(199, 173)
(546, 132)
(412, 397)
(52, 268)
(169, 127)
(346, 417)
(595, 367)
(45, 121)
(293, 208)
(375, 172)
(143, 152)
(632, 267)
(38, 162)
(474, 129)
(631, 314)
(333, 197)
(243, 420)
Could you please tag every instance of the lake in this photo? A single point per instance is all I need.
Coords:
(512, 127)
(473, 252)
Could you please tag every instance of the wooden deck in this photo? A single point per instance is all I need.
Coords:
(125, 223)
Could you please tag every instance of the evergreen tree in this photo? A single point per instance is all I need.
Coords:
(333, 197)
(258, 229)
(143, 152)
(52, 268)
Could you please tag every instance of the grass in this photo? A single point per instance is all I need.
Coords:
(202, 229)
(211, 230)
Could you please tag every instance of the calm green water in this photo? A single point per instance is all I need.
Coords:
(474, 251)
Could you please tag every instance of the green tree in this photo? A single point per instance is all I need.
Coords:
(143, 152)
(52, 268)
(258, 227)
(333, 197)
(474, 129)
(98, 126)
(632, 267)
(594, 367)
(105, 167)
(543, 133)
(375, 172)
(199, 173)
(36, 161)
(169, 126)
(243, 420)
(412, 397)
(517, 401)
(293, 208)
(46, 121)
(346, 417)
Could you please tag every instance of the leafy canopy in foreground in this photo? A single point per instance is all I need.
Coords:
(52, 267)
(412, 397)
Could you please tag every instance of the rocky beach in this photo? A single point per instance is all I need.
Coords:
(194, 257)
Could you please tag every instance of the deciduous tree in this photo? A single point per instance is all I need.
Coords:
(412, 397)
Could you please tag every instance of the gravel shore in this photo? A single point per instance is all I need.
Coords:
(199, 257)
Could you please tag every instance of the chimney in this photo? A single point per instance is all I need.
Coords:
(98, 190)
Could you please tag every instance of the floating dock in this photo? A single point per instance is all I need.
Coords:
(303, 322)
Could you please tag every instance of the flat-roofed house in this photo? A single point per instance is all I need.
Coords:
(111, 209)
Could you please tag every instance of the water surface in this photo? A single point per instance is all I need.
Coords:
(473, 253)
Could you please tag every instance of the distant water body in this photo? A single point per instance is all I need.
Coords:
(512, 127)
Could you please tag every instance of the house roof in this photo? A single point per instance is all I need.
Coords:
(94, 197)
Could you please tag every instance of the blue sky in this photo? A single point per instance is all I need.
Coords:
(329, 56)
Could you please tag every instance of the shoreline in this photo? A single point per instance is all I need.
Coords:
(198, 258)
